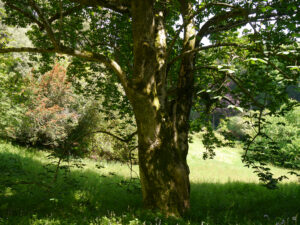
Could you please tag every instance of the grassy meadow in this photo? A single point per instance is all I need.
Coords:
(223, 191)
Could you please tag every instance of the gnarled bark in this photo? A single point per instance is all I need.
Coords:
(162, 125)
(162, 159)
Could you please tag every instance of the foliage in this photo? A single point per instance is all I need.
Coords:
(51, 112)
(279, 143)
(235, 127)
(253, 88)
(103, 136)
(11, 84)
(281, 140)
(109, 128)
(45, 110)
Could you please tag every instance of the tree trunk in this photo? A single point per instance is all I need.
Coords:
(163, 167)
(162, 123)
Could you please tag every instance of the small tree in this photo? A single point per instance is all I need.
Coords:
(51, 113)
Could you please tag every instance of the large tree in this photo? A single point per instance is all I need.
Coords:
(156, 50)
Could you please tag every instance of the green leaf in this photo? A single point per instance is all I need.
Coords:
(254, 60)
(294, 68)
(236, 108)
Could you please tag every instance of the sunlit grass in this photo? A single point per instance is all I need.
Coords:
(226, 166)
(222, 192)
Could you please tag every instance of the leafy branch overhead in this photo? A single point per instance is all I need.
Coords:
(54, 18)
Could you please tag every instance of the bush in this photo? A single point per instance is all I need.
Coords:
(234, 127)
(103, 145)
(45, 110)
(11, 97)
(51, 109)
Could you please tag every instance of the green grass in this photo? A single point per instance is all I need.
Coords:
(225, 167)
(222, 192)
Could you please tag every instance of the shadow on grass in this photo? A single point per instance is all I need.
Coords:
(245, 203)
(84, 196)
(28, 192)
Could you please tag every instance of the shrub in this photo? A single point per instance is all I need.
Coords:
(11, 97)
(51, 109)
(105, 146)
(234, 127)
(45, 110)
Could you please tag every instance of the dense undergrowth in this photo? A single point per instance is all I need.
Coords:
(107, 195)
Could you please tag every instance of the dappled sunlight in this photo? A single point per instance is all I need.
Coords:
(83, 193)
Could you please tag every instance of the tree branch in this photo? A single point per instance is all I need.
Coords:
(223, 4)
(26, 14)
(286, 75)
(237, 12)
(244, 90)
(99, 58)
(228, 27)
(45, 22)
(204, 48)
(27, 49)
(95, 57)
(65, 13)
(192, 16)
(238, 83)
(237, 24)
(121, 6)
(126, 140)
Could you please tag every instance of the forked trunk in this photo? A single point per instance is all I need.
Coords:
(162, 120)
